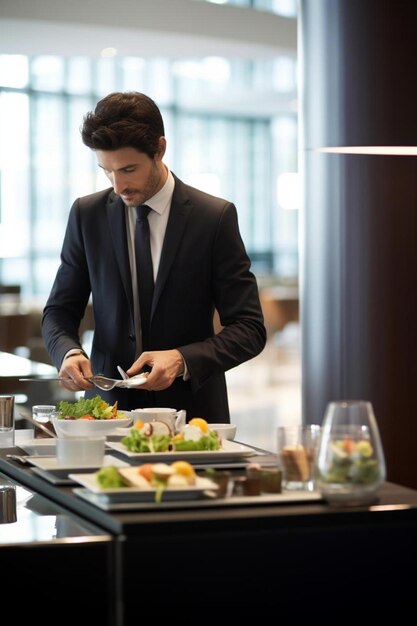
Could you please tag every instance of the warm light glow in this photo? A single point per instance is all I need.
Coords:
(288, 192)
(386, 150)
(389, 507)
(108, 53)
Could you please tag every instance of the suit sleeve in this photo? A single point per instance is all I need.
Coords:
(69, 295)
(236, 299)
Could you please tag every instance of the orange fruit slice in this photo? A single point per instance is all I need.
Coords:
(184, 468)
(200, 423)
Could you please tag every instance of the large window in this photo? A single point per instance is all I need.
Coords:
(221, 138)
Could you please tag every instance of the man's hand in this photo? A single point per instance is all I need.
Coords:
(166, 366)
(75, 367)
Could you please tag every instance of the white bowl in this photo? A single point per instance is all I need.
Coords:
(225, 431)
(88, 428)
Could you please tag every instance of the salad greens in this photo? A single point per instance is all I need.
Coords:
(210, 441)
(88, 408)
(109, 477)
(138, 442)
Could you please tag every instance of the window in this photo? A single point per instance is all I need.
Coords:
(230, 130)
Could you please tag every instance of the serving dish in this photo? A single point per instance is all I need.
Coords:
(41, 447)
(109, 503)
(230, 450)
(129, 494)
(225, 431)
(59, 475)
(89, 428)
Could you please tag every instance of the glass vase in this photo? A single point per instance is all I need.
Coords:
(350, 463)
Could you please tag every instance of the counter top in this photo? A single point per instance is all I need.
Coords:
(217, 557)
(395, 502)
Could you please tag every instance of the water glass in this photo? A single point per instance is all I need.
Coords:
(43, 413)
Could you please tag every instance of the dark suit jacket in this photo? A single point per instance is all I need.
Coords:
(203, 267)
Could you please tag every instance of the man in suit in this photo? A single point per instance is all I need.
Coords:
(199, 265)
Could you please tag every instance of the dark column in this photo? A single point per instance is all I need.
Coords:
(358, 276)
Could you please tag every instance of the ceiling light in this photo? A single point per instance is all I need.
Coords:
(108, 53)
(383, 150)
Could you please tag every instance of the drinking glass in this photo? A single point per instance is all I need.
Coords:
(350, 463)
(297, 446)
(43, 413)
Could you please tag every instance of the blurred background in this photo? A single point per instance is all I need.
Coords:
(225, 77)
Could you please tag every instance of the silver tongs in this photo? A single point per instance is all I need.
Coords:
(102, 382)
(42, 379)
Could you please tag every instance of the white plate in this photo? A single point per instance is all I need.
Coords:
(38, 443)
(106, 504)
(121, 432)
(51, 463)
(129, 494)
(40, 447)
(230, 450)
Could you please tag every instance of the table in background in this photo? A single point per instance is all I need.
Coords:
(280, 305)
(13, 367)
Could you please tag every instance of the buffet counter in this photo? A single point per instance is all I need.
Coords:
(256, 553)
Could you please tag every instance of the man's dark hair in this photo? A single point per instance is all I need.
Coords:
(124, 120)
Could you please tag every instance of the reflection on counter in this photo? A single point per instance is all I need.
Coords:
(7, 504)
(27, 518)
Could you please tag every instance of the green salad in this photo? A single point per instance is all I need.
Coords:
(139, 442)
(89, 408)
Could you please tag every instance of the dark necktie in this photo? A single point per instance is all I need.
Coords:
(144, 270)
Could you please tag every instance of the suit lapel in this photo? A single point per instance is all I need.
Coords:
(178, 216)
(180, 209)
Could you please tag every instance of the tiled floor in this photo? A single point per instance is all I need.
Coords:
(265, 393)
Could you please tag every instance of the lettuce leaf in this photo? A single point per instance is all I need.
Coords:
(97, 407)
(206, 442)
(109, 477)
(136, 442)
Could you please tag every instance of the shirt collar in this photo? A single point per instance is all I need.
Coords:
(162, 200)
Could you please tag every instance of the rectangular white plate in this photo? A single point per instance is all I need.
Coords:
(129, 494)
(230, 450)
(51, 463)
(40, 447)
(289, 497)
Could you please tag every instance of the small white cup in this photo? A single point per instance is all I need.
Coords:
(225, 431)
(173, 418)
(80, 451)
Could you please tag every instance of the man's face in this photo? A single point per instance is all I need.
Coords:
(134, 176)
